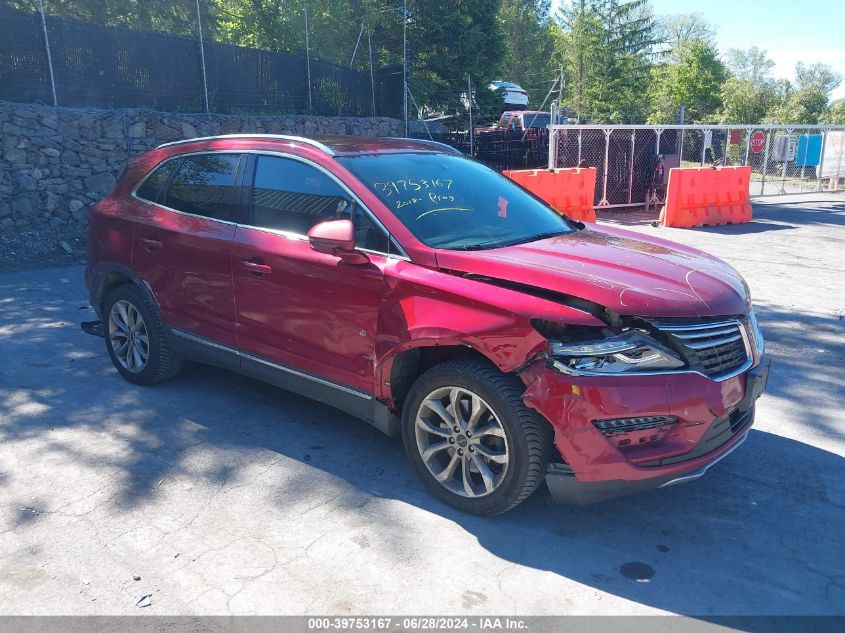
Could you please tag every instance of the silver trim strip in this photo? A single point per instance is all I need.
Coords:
(258, 137)
(705, 345)
(696, 474)
(204, 341)
(258, 359)
(694, 326)
(294, 372)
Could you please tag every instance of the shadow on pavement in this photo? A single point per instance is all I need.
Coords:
(758, 532)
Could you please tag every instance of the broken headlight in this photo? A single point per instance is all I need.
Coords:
(630, 352)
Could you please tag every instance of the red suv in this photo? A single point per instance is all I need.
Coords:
(422, 292)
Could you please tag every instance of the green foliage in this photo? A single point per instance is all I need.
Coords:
(675, 32)
(806, 100)
(451, 40)
(750, 92)
(178, 18)
(752, 64)
(835, 114)
(529, 39)
(694, 80)
(604, 46)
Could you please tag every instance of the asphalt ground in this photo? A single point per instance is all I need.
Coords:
(223, 495)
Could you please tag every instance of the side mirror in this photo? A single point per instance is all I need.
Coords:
(336, 237)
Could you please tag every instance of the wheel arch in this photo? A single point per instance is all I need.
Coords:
(399, 370)
(107, 277)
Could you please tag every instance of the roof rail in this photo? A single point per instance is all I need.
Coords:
(427, 142)
(278, 137)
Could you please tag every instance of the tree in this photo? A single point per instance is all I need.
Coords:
(750, 92)
(177, 18)
(806, 100)
(835, 113)
(604, 47)
(751, 64)
(529, 46)
(451, 40)
(694, 81)
(674, 32)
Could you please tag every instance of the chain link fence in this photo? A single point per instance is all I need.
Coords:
(70, 63)
(633, 162)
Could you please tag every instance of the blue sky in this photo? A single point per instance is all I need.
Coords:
(790, 31)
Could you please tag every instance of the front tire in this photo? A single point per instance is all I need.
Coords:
(487, 458)
(136, 339)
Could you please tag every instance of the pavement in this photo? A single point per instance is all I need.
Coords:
(215, 494)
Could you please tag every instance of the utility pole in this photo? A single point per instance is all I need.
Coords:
(471, 129)
(372, 78)
(49, 56)
(405, 63)
(202, 58)
(560, 90)
(308, 61)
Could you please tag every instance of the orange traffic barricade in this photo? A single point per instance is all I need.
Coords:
(704, 196)
(569, 191)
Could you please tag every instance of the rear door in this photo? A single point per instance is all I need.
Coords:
(298, 308)
(188, 209)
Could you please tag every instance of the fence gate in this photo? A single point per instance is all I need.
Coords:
(632, 159)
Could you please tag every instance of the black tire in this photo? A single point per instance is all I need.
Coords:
(162, 362)
(529, 438)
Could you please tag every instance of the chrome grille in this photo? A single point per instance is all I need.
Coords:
(714, 349)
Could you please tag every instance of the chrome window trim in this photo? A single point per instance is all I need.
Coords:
(134, 192)
(271, 364)
(402, 255)
(272, 137)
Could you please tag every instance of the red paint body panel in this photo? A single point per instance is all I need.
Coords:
(694, 399)
(312, 312)
(186, 263)
(277, 298)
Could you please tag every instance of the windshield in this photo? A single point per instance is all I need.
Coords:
(451, 202)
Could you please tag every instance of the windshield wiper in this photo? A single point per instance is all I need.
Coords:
(536, 238)
(481, 246)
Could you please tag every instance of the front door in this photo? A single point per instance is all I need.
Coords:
(297, 308)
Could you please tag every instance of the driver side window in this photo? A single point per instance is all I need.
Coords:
(289, 195)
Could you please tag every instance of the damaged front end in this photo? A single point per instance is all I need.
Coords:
(642, 403)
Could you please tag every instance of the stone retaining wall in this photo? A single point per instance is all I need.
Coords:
(56, 162)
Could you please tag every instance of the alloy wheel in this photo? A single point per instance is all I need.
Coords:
(462, 442)
(128, 336)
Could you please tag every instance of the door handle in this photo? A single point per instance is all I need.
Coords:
(256, 268)
(151, 244)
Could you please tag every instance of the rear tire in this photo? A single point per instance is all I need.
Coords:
(136, 338)
(490, 457)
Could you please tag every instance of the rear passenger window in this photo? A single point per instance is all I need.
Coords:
(150, 189)
(204, 185)
(288, 195)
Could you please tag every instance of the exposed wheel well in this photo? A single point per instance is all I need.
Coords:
(408, 365)
(111, 281)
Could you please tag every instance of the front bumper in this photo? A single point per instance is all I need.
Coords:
(713, 419)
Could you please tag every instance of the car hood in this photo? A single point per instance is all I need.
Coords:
(626, 272)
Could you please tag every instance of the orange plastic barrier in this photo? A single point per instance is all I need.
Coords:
(569, 191)
(704, 196)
